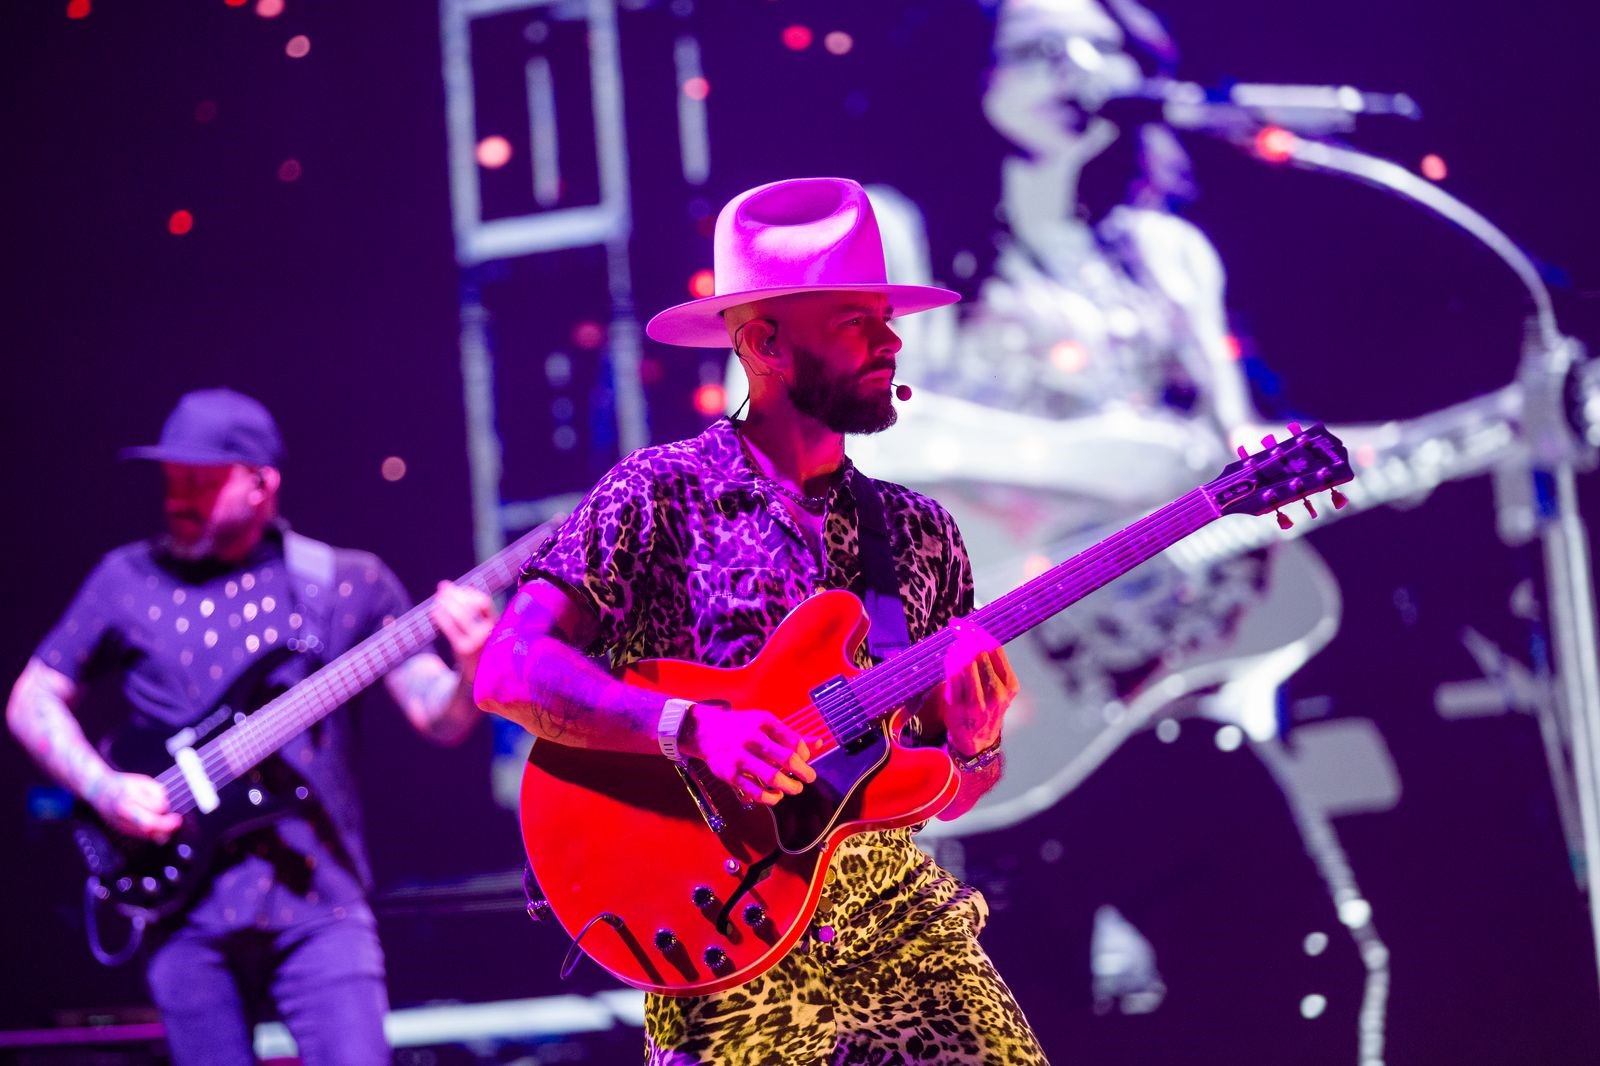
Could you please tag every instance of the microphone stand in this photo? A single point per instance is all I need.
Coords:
(1542, 497)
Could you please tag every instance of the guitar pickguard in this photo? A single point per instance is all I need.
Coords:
(804, 820)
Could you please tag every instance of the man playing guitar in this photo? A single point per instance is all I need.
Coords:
(229, 594)
(696, 550)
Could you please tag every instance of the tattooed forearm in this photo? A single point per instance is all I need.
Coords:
(533, 673)
(40, 716)
(567, 698)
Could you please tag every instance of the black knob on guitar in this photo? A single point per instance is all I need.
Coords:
(755, 915)
(666, 940)
(716, 958)
(703, 896)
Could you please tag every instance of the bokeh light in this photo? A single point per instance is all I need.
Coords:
(797, 38)
(1069, 356)
(269, 9)
(710, 399)
(702, 284)
(299, 46)
(205, 111)
(838, 42)
(1433, 167)
(1275, 144)
(179, 223)
(78, 9)
(289, 170)
(696, 88)
(394, 468)
(494, 152)
(588, 335)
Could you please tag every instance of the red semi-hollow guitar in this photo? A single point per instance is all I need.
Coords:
(671, 884)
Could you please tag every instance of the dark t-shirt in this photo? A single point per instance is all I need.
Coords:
(179, 635)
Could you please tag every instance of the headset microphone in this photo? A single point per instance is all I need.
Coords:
(902, 392)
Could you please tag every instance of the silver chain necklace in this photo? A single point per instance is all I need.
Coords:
(811, 504)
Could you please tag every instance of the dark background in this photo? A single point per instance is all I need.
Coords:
(333, 298)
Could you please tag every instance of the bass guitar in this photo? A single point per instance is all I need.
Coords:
(222, 776)
(668, 882)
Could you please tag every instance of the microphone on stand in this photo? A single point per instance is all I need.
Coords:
(1244, 107)
(902, 392)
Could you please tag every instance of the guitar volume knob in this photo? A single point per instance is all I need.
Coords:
(716, 958)
(755, 915)
(666, 940)
(703, 896)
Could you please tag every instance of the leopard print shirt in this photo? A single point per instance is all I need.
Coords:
(683, 552)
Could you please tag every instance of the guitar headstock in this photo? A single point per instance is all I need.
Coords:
(1309, 461)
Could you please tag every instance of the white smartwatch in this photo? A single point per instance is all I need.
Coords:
(669, 725)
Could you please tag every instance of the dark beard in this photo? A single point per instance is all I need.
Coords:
(842, 404)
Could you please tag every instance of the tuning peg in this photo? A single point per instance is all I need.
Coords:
(1294, 429)
(1284, 521)
(1268, 441)
(1339, 499)
(1244, 453)
(1310, 510)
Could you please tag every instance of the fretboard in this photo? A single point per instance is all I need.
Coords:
(235, 751)
(919, 668)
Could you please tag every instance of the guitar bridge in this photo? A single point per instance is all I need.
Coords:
(702, 799)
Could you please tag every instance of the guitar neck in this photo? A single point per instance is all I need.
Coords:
(237, 750)
(920, 667)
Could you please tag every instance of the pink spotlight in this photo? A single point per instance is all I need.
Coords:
(1433, 167)
(797, 38)
(702, 284)
(269, 9)
(696, 88)
(299, 46)
(179, 223)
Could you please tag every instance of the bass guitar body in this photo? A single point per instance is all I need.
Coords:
(140, 876)
(668, 881)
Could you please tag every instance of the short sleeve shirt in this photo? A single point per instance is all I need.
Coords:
(179, 635)
(683, 551)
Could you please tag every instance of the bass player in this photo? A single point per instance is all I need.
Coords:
(178, 620)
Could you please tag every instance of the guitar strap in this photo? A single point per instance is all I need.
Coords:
(881, 587)
(310, 563)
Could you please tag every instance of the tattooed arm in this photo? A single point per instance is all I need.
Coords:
(39, 714)
(533, 673)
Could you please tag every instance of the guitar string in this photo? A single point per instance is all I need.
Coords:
(259, 736)
(1045, 596)
(1040, 598)
(1018, 605)
(869, 689)
(227, 757)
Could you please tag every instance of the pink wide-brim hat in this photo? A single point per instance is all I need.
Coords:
(800, 235)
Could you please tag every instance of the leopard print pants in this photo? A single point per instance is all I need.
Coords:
(901, 981)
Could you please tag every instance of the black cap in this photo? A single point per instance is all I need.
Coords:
(211, 427)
